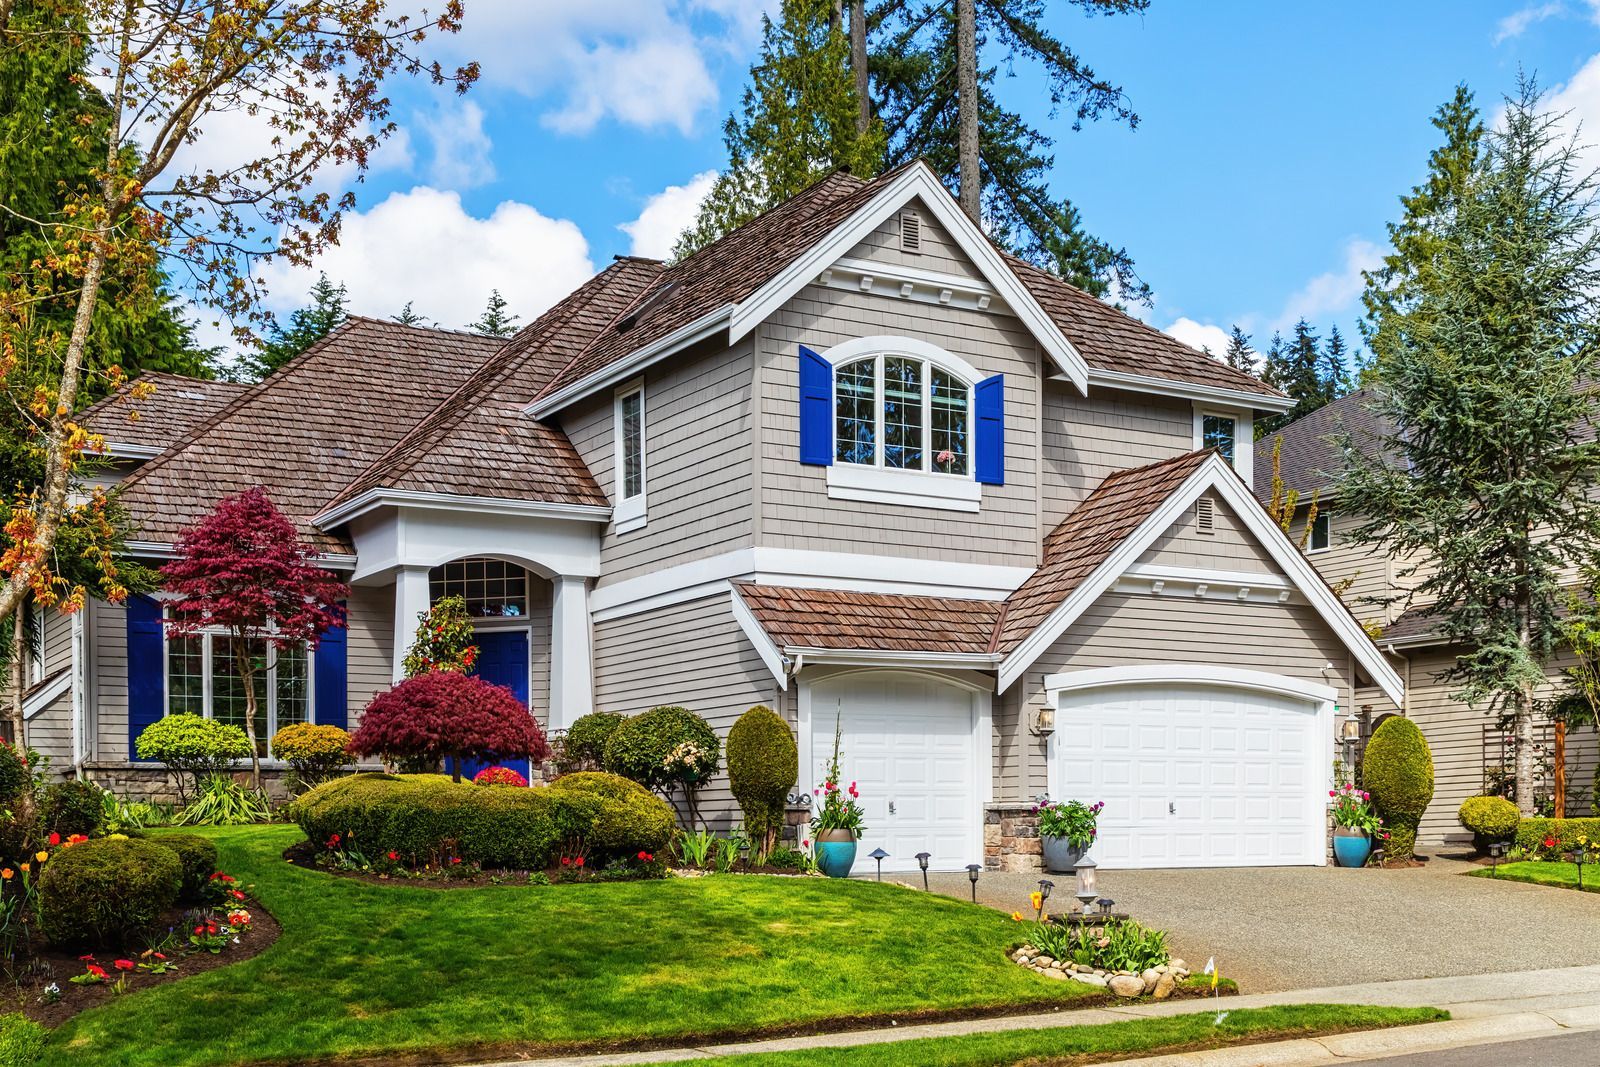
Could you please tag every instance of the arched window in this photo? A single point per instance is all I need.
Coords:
(902, 412)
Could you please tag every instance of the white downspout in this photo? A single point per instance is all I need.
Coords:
(1405, 698)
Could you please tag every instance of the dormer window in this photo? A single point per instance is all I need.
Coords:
(1230, 432)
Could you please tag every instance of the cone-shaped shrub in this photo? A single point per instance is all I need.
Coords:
(443, 714)
(763, 765)
(1398, 771)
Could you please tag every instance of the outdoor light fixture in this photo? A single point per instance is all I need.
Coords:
(1087, 890)
(1105, 906)
(880, 855)
(1045, 885)
(1496, 850)
(922, 861)
(972, 874)
(1350, 730)
(1044, 721)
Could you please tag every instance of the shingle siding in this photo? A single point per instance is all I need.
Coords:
(940, 253)
(1231, 547)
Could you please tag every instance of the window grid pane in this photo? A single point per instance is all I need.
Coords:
(632, 445)
(903, 416)
(186, 676)
(492, 588)
(1218, 432)
(291, 687)
(857, 393)
(948, 395)
(228, 692)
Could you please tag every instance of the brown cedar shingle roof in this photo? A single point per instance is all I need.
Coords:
(178, 405)
(834, 619)
(1308, 460)
(314, 425)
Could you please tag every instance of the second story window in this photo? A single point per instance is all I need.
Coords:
(1321, 533)
(628, 513)
(902, 413)
(1221, 433)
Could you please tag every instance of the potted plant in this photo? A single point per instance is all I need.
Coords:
(837, 827)
(1066, 831)
(1355, 824)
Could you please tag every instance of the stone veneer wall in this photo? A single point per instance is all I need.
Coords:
(1011, 838)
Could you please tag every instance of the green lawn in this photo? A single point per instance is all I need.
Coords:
(364, 969)
(1564, 875)
(1078, 1044)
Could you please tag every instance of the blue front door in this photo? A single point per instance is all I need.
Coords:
(503, 660)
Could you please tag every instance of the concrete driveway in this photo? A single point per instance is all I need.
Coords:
(1281, 928)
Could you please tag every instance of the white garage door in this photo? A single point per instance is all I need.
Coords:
(907, 744)
(1194, 776)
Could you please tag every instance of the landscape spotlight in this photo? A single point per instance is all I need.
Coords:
(972, 874)
(880, 855)
(922, 861)
(1045, 885)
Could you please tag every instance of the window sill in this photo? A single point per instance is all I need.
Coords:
(629, 515)
(915, 489)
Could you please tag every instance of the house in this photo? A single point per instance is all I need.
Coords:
(850, 461)
(1471, 752)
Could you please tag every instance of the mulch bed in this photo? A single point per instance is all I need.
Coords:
(64, 963)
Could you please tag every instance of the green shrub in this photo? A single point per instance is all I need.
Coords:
(665, 748)
(1489, 818)
(1533, 833)
(763, 765)
(21, 1040)
(198, 858)
(424, 816)
(14, 774)
(74, 807)
(1398, 771)
(314, 752)
(192, 746)
(107, 891)
(584, 746)
(224, 802)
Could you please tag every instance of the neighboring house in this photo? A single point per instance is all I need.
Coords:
(851, 462)
(1471, 754)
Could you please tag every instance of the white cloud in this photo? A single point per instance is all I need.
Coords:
(423, 246)
(1200, 335)
(647, 84)
(1517, 23)
(666, 215)
(1579, 99)
(1334, 291)
(461, 148)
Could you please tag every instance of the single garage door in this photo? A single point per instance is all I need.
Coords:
(1194, 776)
(907, 744)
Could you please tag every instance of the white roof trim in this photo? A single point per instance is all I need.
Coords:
(884, 657)
(1211, 394)
(124, 450)
(631, 364)
(381, 497)
(764, 646)
(1215, 475)
(915, 181)
(163, 550)
(37, 702)
(1192, 673)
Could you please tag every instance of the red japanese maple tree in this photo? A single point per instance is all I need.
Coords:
(443, 714)
(243, 570)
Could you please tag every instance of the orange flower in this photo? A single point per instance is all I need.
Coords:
(24, 867)
(1016, 916)
(7, 874)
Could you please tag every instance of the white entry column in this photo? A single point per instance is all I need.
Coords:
(410, 600)
(571, 660)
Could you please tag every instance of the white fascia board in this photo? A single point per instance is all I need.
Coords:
(1206, 575)
(163, 550)
(630, 365)
(1139, 383)
(916, 181)
(1194, 673)
(1214, 474)
(872, 657)
(36, 703)
(123, 450)
(377, 498)
(764, 646)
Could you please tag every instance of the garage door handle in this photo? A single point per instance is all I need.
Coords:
(1172, 809)
(891, 807)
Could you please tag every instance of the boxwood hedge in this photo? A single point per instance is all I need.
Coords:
(107, 891)
(1532, 833)
(423, 816)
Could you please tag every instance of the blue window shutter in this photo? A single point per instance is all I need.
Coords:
(989, 433)
(332, 680)
(816, 409)
(147, 698)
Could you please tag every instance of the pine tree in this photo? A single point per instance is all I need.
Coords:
(494, 322)
(800, 119)
(1486, 357)
(306, 327)
(1240, 356)
(407, 317)
(1335, 367)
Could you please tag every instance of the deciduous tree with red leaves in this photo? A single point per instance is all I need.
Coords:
(445, 714)
(243, 570)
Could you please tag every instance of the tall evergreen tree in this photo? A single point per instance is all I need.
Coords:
(1486, 357)
(306, 326)
(408, 317)
(800, 118)
(495, 322)
(1240, 356)
(1335, 367)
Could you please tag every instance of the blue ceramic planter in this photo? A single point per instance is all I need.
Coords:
(1351, 847)
(835, 858)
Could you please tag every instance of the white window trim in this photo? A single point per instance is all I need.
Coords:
(40, 620)
(630, 512)
(878, 484)
(1311, 535)
(210, 634)
(1243, 435)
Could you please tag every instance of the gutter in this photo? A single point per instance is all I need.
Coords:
(1405, 697)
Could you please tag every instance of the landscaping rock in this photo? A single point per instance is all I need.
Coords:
(1089, 979)
(1150, 976)
(1178, 965)
(1044, 961)
(1127, 986)
(1062, 975)
(1057, 965)
(1165, 987)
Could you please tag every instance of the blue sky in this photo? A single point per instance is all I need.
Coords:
(1273, 143)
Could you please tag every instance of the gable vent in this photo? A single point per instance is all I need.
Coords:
(1205, 515)
(910, 232)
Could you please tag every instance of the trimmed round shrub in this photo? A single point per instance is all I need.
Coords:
(763, 765)
(107, 892)
(197, 857)
(426, 816)
(1489, 818)
(315, 752)
(443, 714)
(1398, 771)
(584, 746)
(21, 1040)
(74, 807)
(1533, 833)
(193, 745)
(14, 776)
(499, 776)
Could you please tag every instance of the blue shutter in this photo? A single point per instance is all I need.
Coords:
(989, 433)
(332, 688)
(816, 409)
(147, 700)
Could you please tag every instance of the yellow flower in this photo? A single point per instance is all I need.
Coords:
(1016, 916)
(41, 856)
(1036, 900)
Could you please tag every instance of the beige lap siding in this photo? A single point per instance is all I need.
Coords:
(107, 706)
(692, 654)
(1229, 547)
(50, 731)
(1120, 630)
(1085, 438)
(369, 646)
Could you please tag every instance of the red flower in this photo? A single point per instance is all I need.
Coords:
(806, 843)
(235, 894)
(199, 929)
(96, 970)
(55, 839)
(333, 842)
(123, 965)
(1549, 842)
(565, 862)
(158, 955)
(645, 857)
(454, 860)
(394, 856)
(87, 959)
(578, 861)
